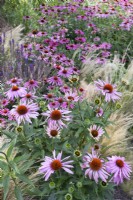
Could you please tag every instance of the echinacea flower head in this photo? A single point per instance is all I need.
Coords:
(99, 112)
(55, 80)
(96, 132)
(108, 90)
(49, 96)
(29, 97)
(24, 112)
(15, 92)
(119, 168)
(53, 130)
(54, 104)
(65, 89)
(95, 167)
(50, 165)
(14, 81)
(71, 96)
(57, 116)
(31, 84)
(65, 72)
(4, 111)
(4, 102)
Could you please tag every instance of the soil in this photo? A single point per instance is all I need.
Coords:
(121, 195)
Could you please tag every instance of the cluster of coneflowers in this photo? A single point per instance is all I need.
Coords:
(23, 103)
(23, 99)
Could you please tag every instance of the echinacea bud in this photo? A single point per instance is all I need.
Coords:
(74, 79)
(37, 141)
(96, 147)
(103, 184)
(77, 153)
(79, 184)
(41, 103)
(97, 101)
(118, 106)
(19, 129)
(68, 146)
(125, 82)
(68, 196)
(52, 185)
(71, 189)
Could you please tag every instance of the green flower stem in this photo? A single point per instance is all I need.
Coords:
(10, 168)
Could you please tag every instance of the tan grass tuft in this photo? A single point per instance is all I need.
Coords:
(90, 91)
(117, 143)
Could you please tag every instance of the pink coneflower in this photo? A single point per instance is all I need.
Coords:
(108, 90)
(25, 111)
(95, 167)
(65, 89)
(14, 81)
(96, 132)
(54, 104)
(79, 32)
(4, 111)
(119, 168)
(75, 70)
(41, 34)
(65, 72)
(71, 96)
(53, 130)
(28, 97)
(2, 122)
(99, 112)
(4, 102)
(31, 84)
(26, 17)
(50, 165)
(15, 92)
(48, 96)
(57, 115)
(55, 80)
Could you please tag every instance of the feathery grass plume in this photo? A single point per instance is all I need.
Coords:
(13, 34)
(90, 90)
(118, 133)
(89, 64)
(110, 70)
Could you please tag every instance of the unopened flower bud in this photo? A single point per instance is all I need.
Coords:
(68, 146)
(68, 196)
(97, 101)
(77, 153)
(79, 184)
(103, 184)
(37, 141)
(52, 185)
(71, 189)
(118, 106)
(19, 129)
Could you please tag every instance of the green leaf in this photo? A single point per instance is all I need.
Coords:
(18, 193)
(10, 149)
(8, 134)
(6, 184)
(3, 165)
(80, 130)
(25, 179)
